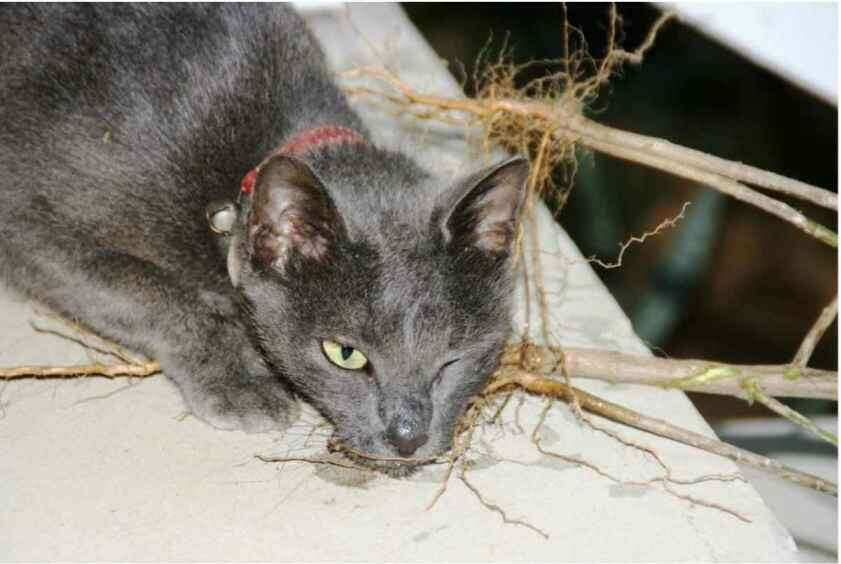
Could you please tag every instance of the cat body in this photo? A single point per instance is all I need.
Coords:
(122, 126)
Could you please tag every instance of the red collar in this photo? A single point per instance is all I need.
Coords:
(302, 143)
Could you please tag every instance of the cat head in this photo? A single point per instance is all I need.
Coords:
(380, 293)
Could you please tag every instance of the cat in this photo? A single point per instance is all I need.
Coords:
(188, 181)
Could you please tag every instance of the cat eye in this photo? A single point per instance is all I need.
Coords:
(343, 356)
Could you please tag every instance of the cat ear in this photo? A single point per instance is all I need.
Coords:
(291, 213)
(483, 210)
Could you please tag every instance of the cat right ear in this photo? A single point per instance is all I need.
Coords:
(291, 214)
(483, 210)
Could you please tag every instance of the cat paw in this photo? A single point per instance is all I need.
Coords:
(244, 408)
(228, 384)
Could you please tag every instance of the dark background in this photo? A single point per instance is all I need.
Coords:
(731, 283)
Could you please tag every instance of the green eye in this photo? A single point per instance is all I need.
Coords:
(343, 356)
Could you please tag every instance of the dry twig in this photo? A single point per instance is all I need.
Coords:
(132, 365)
(553, 388)
(754, 392)
(822, 323)
(80, 334)
(324, 461)
(688, 375)
(560, 118)
(78, 370)
(496, 508)
(665, 224)
(666, 480)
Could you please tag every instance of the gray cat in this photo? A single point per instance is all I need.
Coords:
(332, 269)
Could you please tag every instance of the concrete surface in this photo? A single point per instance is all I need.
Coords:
(95, 469)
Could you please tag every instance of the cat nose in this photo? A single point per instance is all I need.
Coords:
(406, 435)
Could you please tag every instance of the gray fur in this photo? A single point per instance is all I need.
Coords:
(121, 123)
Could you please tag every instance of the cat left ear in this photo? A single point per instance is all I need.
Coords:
(483, 211)
(291, 213)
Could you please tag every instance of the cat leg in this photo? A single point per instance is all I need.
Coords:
(208, 354)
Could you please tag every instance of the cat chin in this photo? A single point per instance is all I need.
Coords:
(390, 469)
(390, 465)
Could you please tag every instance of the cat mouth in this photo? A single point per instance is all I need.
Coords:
(392, 466)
